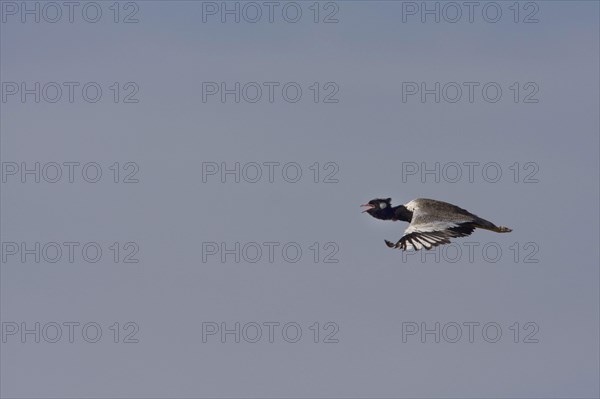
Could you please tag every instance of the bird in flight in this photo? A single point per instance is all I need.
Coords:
(432, 222)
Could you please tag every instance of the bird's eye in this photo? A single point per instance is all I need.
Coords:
(382, 205)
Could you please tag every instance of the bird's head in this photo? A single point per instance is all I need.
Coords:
(380, 208)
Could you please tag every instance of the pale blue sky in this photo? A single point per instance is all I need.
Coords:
(368, 134)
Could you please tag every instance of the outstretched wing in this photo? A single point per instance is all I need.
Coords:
(431, 235)
(434, 223)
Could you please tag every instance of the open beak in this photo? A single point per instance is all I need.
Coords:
(368, 207)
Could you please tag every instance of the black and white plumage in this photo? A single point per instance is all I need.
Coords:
(432, 222)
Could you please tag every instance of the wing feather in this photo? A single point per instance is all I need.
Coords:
(429, 227)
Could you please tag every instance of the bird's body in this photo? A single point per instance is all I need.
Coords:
(432, 222)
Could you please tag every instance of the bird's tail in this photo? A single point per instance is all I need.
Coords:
(502, 229)
(484, 224)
